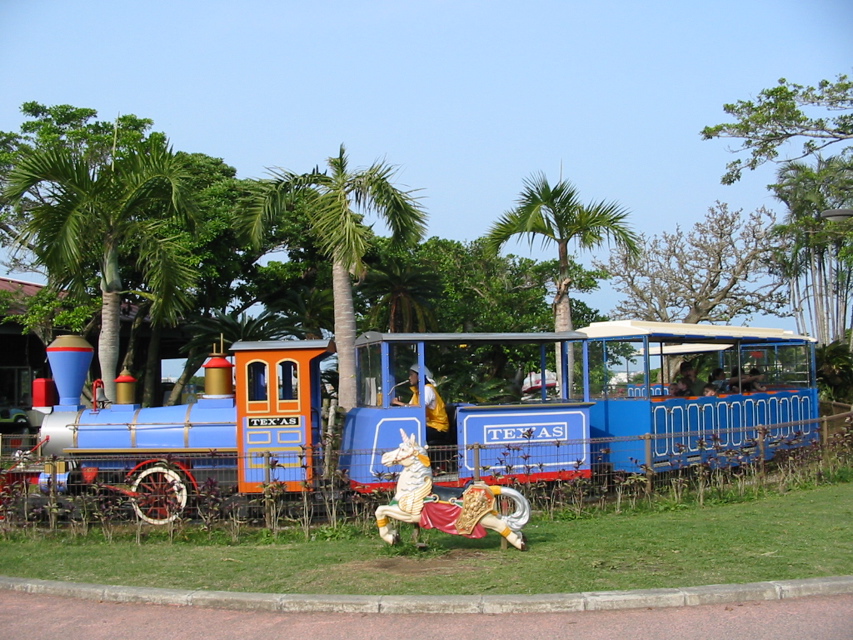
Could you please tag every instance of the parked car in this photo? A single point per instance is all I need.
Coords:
(13, 420)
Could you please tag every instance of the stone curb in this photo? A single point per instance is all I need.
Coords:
(490, 604)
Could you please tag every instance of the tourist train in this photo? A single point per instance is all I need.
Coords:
(261, 418)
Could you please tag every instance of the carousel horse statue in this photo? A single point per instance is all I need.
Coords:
(465, 511)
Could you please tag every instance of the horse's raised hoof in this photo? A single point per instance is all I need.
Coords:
(391, 537)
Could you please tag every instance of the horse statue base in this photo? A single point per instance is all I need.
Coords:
(468, 511)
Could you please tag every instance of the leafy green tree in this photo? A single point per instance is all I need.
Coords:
(86, 211)
(555, 215)
(484, 292)
(62, 127)
(338, 202)
(301, 284)
(229, 274)
(224, 264)
(835, 371)
(782, 114)
(78, 129)
(45, 311)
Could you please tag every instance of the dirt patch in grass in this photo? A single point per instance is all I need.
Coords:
(451, 563)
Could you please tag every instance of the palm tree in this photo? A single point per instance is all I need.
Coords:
(337, 202)
(228, 328)
(814, 256)
(309, 311)
(557, 216)
(400, 296)
(87, 214)
(233, 326)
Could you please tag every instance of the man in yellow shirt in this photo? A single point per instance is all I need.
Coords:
(437, 422)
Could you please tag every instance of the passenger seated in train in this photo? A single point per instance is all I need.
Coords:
(719, 380)
(736, 380)
(755, 381)
(688, 383)
(710, 390)
(739, 382)
(678, 388)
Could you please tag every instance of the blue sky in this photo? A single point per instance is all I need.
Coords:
(467, 98)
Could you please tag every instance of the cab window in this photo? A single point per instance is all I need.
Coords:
(288, 380)
(257, 381)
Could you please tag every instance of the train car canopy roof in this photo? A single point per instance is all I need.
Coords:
(375, 337)
(272, 345)
(676, 332)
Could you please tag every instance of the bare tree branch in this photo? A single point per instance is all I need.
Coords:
(717, 271)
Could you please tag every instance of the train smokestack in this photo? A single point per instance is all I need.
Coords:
(217, 376)
(125, 388)
(70, 357)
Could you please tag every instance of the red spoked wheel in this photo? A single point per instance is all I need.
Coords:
(161, 495)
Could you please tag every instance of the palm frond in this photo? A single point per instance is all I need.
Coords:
(555, 214)
(167, 269)
(234, 326)
(277, 195)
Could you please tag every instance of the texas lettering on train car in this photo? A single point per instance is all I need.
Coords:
(521, 434)
(274, 421)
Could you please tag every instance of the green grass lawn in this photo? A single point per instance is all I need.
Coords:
(801, 534)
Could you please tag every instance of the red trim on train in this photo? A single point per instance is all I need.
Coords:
(505, 480)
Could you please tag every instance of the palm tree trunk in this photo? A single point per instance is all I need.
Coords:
(195, 359)
(129, 360)
(344, 335)
(563, 322)
(563, 316)
(562, 312)
(151, 396)
(108, 341)
(818, 288)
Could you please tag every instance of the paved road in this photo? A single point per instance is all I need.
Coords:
(26, 616)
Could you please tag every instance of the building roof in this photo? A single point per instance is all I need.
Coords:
(27, 289)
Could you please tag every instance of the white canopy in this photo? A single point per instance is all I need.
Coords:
(685, 332)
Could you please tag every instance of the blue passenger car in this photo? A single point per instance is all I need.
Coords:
(631, 365)
(540, 437)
